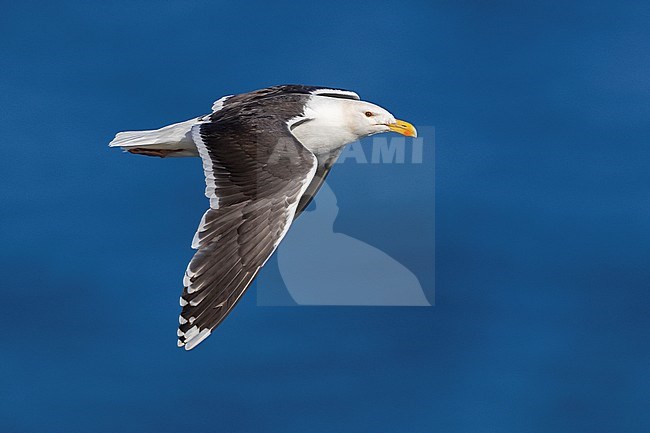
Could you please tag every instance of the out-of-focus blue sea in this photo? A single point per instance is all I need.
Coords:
(542, 219)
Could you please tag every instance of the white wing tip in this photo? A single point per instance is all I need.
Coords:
(195, 339)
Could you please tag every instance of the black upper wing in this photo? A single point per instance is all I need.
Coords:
(256, 172)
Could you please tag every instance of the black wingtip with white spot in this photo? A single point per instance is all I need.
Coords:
(192, 337)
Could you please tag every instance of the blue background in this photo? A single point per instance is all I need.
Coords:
(542, 219)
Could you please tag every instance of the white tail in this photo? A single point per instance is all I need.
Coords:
(171, 140)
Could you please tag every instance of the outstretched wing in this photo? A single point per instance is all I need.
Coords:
(256, 172)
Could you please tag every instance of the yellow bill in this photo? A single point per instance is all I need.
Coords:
(404, 128)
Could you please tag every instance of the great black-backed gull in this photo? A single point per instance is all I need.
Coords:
(265, 154)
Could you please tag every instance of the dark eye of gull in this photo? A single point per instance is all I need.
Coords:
(369, 114)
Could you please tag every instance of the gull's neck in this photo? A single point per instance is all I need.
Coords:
(324, 125)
